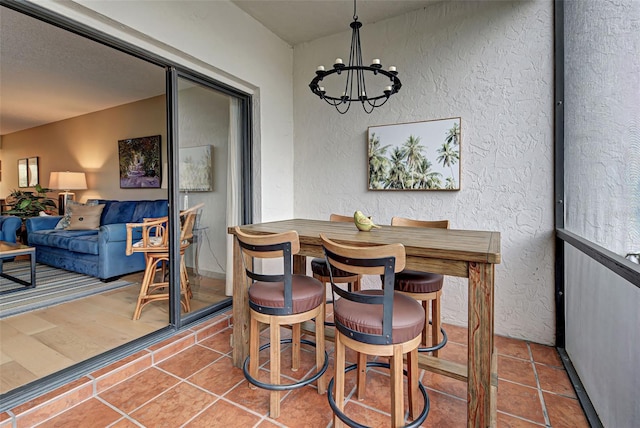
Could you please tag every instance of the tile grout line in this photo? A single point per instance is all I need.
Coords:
(545, 413)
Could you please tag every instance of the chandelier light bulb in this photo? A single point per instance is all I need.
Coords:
(320, 68)
(376, 61)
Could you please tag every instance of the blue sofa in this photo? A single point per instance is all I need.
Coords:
(9, 226)
(99, 253)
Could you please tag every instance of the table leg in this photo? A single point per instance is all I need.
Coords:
(481, 282)
(32, 258)
(241, 317)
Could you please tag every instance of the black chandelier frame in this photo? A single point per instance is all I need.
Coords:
(355, 72)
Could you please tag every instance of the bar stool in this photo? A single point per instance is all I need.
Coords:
(425, 287)
(381, 323)
(320, 268)
(282, 299)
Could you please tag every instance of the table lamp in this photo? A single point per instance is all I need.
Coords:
(67, 181)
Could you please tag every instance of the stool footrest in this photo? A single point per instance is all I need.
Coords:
(437, 346)
(353, 424)
(285, 387)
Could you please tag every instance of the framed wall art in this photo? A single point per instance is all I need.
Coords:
(196, 169)
(139, 160)
(23, 173)
(32, 165)
(415, 156)
(28, 172)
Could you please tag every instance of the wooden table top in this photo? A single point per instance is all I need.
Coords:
(8, 248)
(447, 244)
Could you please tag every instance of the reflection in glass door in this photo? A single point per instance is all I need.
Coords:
(208, 174)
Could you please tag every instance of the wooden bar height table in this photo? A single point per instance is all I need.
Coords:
(464, 253)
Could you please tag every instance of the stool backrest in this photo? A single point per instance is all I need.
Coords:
(407, 222)
(341, 218)
(283, 245)
(383, 260)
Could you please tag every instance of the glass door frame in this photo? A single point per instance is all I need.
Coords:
(176, 318)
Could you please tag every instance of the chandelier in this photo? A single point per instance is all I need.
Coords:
(355, 72)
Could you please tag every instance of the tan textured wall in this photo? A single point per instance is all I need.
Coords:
(86, 143)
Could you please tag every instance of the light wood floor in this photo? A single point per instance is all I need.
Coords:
(44, 341)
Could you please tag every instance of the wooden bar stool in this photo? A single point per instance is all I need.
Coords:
(281, 299)
(381, 323)
(320, 268)
(425, 287)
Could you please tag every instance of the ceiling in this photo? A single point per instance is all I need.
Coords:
(48, 74)
(298, 21)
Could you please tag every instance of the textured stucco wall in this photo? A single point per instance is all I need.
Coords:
(489, 63)
(602, 122)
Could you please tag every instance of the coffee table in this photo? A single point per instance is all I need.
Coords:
(9, 250)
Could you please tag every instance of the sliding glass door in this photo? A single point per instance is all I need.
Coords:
(209, 130)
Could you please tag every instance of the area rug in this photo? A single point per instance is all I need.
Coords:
(53, 286)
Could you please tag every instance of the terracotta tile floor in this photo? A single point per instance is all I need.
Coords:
(189, 381)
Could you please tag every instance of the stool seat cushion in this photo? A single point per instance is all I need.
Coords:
(307, 293)
(411, 281)
(408, 316)
(319, 267)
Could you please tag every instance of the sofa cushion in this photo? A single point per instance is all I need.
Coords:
(84, 217)
(149, 209)
(66, 219)
(118, 212)
(71, 240)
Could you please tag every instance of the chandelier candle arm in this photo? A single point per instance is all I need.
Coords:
(355, 72)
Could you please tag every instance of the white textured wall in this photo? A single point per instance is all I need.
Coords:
(602, 122)
(220, 40)
(489, 63)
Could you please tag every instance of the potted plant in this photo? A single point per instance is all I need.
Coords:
(29, 204)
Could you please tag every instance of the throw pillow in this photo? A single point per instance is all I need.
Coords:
(85, 217)
(66, 219)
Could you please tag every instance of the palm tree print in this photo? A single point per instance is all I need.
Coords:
(378, 162)
(409, 163)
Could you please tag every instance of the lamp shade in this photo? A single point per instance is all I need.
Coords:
(68, 181)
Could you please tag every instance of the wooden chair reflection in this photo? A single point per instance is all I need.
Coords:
(154, 244)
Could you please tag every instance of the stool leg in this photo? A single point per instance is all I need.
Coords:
(274, 396)
(435, 323)
(295, 347)
(254, 354)
(397, 397)
(362, 375)
(425, 330)
(339, 378)
(320, 346)
(149, 273)
(412, 371)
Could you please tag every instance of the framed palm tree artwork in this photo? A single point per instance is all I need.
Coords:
(415, 156)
